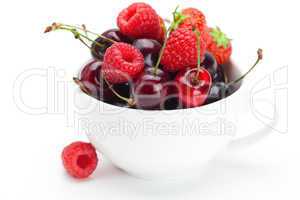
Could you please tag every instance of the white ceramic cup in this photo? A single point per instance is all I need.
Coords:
(169, 144)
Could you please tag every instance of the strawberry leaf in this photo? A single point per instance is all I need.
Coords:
(219, 37)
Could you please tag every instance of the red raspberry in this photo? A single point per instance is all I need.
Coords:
(181, 50)
(121, 63)
(195, 19)
(219, 45)
(139, 20)
(80, 159)
(162, 30)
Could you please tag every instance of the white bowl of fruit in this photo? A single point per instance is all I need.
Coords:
(152, 90)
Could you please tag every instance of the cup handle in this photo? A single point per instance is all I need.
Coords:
(255, 136)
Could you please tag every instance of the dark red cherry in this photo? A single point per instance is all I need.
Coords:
(172, 102)
(193, 90)
(124, 90)
(220, 90)
(150, 89)
(98, 51)
(89, 77)
(116, 35)
(147, 46)
(150, 60)
(211, 65)
(96, 87)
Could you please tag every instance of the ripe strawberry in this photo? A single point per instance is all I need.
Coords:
(181, 50)
(139, 20)
(219, 45)
(121, 63)
(80, 159)
(195, 19)
(206, 36)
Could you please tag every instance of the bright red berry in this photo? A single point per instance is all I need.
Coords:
(139, 20)
(195, 19)
(80, 159)
(181, 50)
(122, 62)
(219, 45)
(193, 90)
(162, 31)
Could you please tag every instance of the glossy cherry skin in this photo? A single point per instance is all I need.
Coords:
(89, 77)
(123, 89)
(150, 90)
(193, 90)
(114, 34)
(97, 87)
(147, 46)
(220, 90)
(211, 65)
(150, 60)
(150, 50)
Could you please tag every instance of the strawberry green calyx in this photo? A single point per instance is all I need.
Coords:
(178, 18)
(219, 37)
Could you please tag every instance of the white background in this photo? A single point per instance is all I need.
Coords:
(30, 144)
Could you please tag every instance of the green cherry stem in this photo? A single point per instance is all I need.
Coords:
(88, 31)
(81, 86)
(80, 36)
(129, 101)
(259, 58)
(196, 78)
(77, 32)
(161, 52)
(177, 20)
(198, 53)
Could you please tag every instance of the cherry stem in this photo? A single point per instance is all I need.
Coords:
(177, 19)
(129, 101)
(259, 58)
(76, 31)
(161, 52)
(88, 31)
(79, 35)
(81, 86)
(198, 54)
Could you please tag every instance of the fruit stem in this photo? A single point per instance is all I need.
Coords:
(129, 101)
(259, 58)
(198, 54)
(77, 34)
(81, 86)
(76, 31)
(161, 52)
(177, 19)
(88, 31)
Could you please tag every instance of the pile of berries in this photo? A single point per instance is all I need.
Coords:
(152, 64)
(146, 65)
